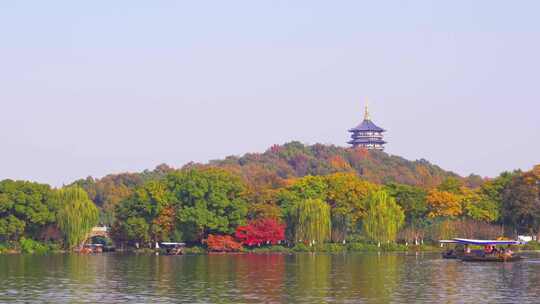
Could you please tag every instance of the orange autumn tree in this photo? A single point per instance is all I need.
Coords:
(222, 243)
(163, 225)
(339, 164)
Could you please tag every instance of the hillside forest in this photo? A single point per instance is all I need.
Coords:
(292, 194)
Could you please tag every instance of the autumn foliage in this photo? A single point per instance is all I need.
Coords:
(443, 203)
(261, 232)
(301, 192)
(222, 243)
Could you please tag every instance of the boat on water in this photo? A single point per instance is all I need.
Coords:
(490, 253)
(492, 258)
(173, 248)
(91, 248)
(454, 249)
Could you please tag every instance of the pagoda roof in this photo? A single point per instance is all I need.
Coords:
(367, 125)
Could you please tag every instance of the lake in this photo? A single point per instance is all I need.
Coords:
(272, 278)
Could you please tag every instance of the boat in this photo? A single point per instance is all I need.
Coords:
(173, 248)
(490, 253)
(91, 248)
(454, 249)
(491, 258)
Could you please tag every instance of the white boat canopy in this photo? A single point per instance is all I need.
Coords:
(487, 242)
(172, 244)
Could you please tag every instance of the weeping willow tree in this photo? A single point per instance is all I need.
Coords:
(310, 221)
(341, 224)
(383, 219)
(76, 216)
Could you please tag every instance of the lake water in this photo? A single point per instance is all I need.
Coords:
(273, 278)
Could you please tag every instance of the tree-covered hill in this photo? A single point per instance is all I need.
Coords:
(293, 192)
(279, 165)
(295, 159)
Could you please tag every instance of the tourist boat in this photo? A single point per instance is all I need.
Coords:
(454, 249)
(92, 248)
(490, 253)
(173, 248)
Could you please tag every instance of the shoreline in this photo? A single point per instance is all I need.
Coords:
(331, 248)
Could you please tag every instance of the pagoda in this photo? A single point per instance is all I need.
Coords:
(367, 135)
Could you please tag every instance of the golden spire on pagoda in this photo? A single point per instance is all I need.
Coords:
(366, 112)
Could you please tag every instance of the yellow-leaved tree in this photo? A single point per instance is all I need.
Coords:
(444, 203)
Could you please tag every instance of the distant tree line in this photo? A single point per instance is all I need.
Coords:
(290, 194)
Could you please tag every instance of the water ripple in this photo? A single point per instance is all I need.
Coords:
(302, 278)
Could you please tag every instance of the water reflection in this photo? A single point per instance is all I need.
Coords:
(302, 278)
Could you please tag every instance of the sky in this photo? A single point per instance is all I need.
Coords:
(100, 87)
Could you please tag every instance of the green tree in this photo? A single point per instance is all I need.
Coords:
(30, 203)
(11, 228)
(412, 200)
(480, 207)
(452, 185)
(310, 221)
(308, 187)
(521, 202)
(77, 215)
(137, 229)
(346, 193)
(209, 200)
(491, 197)
(384, 217)
(152, 203)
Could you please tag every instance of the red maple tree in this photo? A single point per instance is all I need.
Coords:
(261, 232)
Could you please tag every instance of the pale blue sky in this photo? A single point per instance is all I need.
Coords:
(109, 86)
